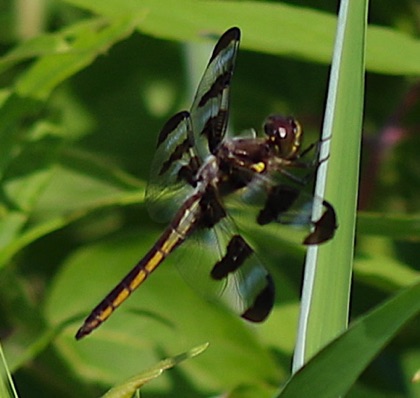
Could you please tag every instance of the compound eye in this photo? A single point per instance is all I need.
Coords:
(279, 126)
(285, 133)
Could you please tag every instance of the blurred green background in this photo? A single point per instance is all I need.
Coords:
(86, 87)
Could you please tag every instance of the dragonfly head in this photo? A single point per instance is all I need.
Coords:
(285, 134)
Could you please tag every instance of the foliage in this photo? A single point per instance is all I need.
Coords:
(82, 100)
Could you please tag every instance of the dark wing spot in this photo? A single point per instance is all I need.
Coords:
(279, 200)
(216, 88)
(236, 254)
(188, 172)
(175, 155)
(233, 34)
(324, 228)
(212, 211)
(263, 303)
(171, 125)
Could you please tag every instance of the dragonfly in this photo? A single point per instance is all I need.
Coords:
(196, 168)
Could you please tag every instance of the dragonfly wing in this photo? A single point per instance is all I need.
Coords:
(173, 167)
(281, 201)
(218, 263)
(188, 138)
(210, 109)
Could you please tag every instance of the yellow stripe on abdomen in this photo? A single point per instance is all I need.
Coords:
(132, 281)
(169, 240)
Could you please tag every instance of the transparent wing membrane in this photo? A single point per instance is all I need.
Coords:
(167, 189)
(240, 280)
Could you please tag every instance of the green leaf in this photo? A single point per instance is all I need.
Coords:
(384, 272)
(396, 226)
(86, 42)
(326, 290)
(273, 28)
(73, 192)
(333, 370)
(129, 387)
(26, 177)
(46, 44)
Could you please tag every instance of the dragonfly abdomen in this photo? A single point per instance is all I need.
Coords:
(173, 236)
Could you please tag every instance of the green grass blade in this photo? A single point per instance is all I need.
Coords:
(7, 388)
(334, 370)
(326, 288)
(129, 387)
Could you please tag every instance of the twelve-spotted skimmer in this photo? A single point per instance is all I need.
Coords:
(194, 169)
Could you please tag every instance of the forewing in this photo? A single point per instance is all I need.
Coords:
(210, 109)
(173, 168)
(187, 139)
(218, 263)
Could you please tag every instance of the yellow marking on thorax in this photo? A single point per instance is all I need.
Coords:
(258, 167)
